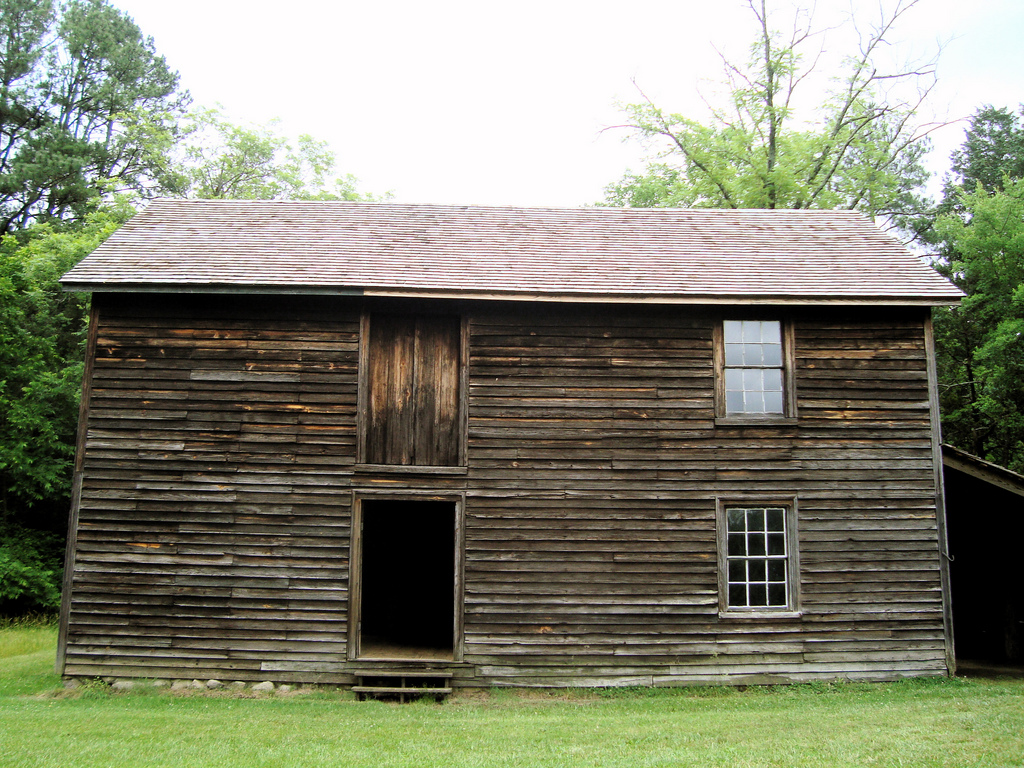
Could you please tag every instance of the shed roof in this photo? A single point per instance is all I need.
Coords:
(582, 254)
(986, 471)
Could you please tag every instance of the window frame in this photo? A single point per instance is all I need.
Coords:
(789, 412)
(460, 467)
(792, 609)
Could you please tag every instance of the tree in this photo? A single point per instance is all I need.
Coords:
(87, 108)
(992, 151)
(862, 150)
(980, 344)
(219, 159)
(42, 335)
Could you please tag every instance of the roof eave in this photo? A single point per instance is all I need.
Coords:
(589, 297)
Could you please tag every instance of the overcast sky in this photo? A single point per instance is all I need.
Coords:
(477, 102)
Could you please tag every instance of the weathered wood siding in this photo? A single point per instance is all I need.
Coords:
(219, 471)
(214, 526)
(591, 545)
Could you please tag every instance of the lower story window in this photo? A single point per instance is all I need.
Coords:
(757, 558)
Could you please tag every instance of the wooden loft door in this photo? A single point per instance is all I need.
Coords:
(413, 380)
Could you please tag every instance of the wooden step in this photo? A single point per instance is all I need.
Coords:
(378, 683)
(388, 690)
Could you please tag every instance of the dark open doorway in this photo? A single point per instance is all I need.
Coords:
(407, 579)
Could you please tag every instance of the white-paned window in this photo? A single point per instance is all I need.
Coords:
(753, 367)
(757, 558)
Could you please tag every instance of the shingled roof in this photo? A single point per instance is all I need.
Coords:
(581, 254)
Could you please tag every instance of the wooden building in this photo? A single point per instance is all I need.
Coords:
(504, 446)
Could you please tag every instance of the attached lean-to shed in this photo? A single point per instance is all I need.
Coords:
(336, 442)
(985, 509)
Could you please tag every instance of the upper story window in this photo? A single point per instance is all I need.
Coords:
(754, 375)
(412, 390)
(753, 366)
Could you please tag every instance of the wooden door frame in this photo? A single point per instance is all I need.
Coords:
(355, 590)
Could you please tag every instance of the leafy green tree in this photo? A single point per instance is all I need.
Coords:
(30, 569)
(87, 108)
(992, 151)
(981, 343)
(862, 149)
(219, 159)
(42, 334)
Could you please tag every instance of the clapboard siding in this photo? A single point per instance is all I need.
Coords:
(219, 469)
(595, 463)
(214, 525)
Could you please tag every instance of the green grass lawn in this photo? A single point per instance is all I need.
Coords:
(912, 723)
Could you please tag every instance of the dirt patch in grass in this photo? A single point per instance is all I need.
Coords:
(987, 670)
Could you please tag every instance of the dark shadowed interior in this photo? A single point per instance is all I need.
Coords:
(408, 579)
(985, 526)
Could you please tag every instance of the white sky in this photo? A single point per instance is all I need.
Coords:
(477, 102)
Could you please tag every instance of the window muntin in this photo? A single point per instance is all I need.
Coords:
(753, 367)
(757, 559)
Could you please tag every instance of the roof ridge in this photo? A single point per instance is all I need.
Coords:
(513, 207)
